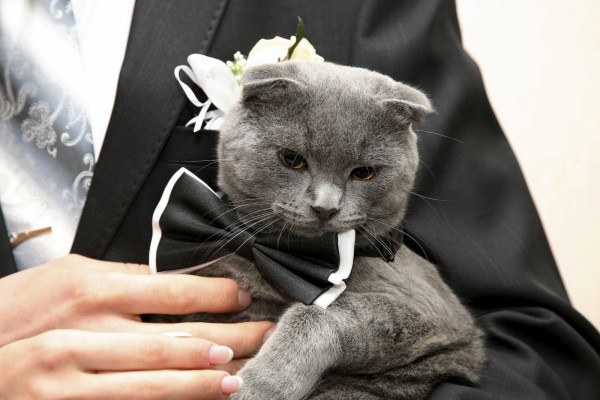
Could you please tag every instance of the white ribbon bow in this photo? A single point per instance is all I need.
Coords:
(218, 83)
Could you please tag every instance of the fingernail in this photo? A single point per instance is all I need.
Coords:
(244, 298)
(231, 384)
(177, 334)
(218, 355)
(268, 334)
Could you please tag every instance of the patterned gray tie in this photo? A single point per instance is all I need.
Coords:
(46, 152)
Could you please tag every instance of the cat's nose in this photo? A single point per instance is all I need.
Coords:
(324, 213)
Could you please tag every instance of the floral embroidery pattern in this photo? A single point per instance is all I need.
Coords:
(59, 8)
(38, 127)
(81, 184)
(76, 119)
(11, 103)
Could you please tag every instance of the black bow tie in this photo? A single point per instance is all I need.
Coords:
(193, 227)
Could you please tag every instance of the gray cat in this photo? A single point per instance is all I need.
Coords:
(313, 147)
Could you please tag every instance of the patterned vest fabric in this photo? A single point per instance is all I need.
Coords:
(46, 151)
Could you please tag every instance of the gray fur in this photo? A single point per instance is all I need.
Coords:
(398, 329)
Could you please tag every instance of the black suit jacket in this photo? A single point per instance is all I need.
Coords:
(483, 232)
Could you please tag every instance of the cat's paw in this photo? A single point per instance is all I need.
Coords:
(266, 386)
(250, 391)
(247, 393)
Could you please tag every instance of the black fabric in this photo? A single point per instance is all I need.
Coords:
(7, 262)
(486, 237)
(197, 227)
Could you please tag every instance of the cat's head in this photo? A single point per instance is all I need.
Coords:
(313, 147)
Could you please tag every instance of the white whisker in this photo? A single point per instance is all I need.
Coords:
(239, 232)
(439, 134)
(404, 233)
(254, 234)
(366, 231)
(239, 225)
(378, 240)
(428, 169)
(427, 198)
(281, 233)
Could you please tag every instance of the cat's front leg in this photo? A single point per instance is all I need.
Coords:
(305, 344)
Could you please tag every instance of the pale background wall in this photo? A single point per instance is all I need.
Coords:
(540, 61)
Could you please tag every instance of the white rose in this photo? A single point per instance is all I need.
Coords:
(276, 49)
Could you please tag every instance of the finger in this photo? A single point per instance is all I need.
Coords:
(244, 338)
(173, 294)
(130, 268)
(233, 366)
(181, 385)
(139, 352)
(80, 262)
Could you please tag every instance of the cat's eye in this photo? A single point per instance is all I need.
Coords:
(363, 173)
(291, 159)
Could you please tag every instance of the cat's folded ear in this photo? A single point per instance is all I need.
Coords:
(407, 104)
(270, 82)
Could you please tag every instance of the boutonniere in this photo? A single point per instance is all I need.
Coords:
(220, 80)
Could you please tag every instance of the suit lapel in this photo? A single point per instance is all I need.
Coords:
(147, 105)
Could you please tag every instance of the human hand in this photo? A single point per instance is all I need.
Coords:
(75, 292)
(78, 293)
(70, 364)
